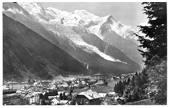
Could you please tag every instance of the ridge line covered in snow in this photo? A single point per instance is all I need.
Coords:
(59, 22)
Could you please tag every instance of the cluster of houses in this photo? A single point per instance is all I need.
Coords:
(66, 91)
(60, 82)
(123, 76)
(54, 97)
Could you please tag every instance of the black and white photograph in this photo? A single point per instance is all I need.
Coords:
(84, 53)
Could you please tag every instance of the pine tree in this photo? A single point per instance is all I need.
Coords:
(115, 87)
(119, 84)
(155, 40)
(155, 53)
(144, 78)
(135, 90)
(132, 82)
(128, 81)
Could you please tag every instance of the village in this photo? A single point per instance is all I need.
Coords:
(83, 90)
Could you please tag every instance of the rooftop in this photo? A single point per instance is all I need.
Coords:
(90, 94)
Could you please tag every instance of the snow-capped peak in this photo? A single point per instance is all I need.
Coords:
(86, 16)
(52, 17)
(108, 16)
(33, 8)
(108, 19)
(93, 23)
(51, 8)
(55, 11)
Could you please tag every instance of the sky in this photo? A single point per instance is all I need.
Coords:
(129, 13)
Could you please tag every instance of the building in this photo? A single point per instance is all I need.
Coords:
(33, 98)
(87, 98)
(45, 83)
(55, 101)
(98, 76)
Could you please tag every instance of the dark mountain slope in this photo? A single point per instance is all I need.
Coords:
(37, 54)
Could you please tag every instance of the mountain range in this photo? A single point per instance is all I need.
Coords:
(42, 43)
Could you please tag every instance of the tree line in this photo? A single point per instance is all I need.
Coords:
(133, 89)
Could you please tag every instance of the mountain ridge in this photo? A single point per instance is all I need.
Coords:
(86, 48)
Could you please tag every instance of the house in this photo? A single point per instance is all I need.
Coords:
(45, 83)
(87, 98)
(98, 76)
(33, 98)
(64, 84)
(27, 97)
(55, 101)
